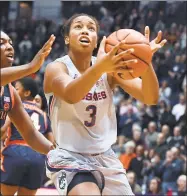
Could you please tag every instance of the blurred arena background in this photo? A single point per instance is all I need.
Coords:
(147, 135)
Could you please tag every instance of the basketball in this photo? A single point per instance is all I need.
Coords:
(142, 50)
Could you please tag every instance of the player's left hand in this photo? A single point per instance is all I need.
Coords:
(155, 44)
(40, 57)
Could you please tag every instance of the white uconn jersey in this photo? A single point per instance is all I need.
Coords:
(88, 126)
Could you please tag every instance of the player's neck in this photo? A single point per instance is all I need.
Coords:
(81, 61)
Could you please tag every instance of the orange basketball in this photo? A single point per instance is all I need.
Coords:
(142, 50)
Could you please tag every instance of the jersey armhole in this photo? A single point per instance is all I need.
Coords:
(106, 82)
(51, 102)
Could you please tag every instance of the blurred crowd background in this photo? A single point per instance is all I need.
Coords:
(152, 140)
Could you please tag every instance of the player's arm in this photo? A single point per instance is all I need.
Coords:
(145, 89)
(58, 81)
(50, 137)
(10, 74)
(24, 125)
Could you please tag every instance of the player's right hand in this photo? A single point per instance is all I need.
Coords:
(111, 61)
(40, 57)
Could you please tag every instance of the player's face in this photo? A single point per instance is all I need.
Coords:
(7, 50)
(38, 101)
(21, 91)
(83, 34)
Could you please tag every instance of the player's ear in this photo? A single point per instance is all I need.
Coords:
(27, 93)
(66, 40)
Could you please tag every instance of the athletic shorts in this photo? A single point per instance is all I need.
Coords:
(22, 166)
(62, 165)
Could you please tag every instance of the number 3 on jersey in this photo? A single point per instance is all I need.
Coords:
(35, 120)
(93, 110)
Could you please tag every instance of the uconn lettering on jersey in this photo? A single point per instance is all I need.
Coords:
(95, 96)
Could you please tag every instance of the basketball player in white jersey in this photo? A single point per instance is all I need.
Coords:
(79, 88)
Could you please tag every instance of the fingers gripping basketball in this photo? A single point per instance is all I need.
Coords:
(142, 51)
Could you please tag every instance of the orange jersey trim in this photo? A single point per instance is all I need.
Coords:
(17, 142)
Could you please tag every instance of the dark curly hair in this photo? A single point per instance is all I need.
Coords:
(44, 106)
(66, 27)
(29, 84)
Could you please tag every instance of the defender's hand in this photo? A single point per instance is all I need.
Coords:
(155, 44)
(40, 57)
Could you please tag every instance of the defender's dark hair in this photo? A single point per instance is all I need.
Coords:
(44, 106)
(29, 84)
(66, 27)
